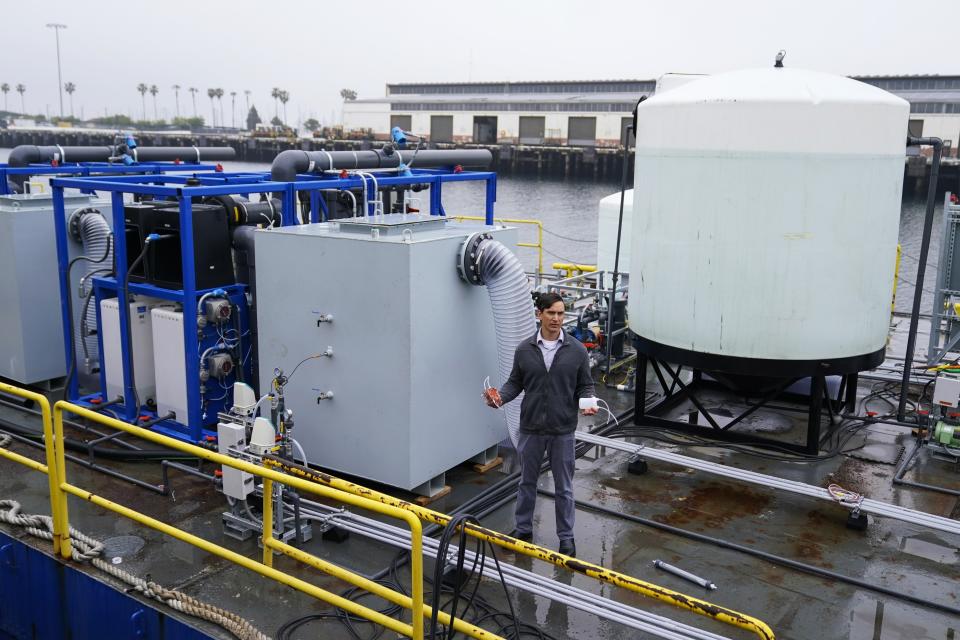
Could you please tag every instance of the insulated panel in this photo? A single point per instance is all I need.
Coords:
(168, 365)
(141, 340)
(31, 340)
(412, 344)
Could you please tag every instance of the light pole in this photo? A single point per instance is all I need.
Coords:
(56, 29)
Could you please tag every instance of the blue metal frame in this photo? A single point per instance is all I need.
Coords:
(211, 184)
(87, 169)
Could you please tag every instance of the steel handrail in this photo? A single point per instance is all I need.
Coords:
(60, 488)
(538, 245)
(600, 573)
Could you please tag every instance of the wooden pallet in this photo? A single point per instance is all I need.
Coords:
(425, 500)
(493, 464)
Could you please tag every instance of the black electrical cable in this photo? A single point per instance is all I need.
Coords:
(69, 300)
(793, 564)
(124, 308)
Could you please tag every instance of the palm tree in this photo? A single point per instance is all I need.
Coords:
(212, 93)
(69, 87)
(153, 92)
(6, 89)
(275, 94)
(176, 96)
(284, 96)
(21, 89)
(233, 108)
(219, 94)
(142, 88)
(247, 93)
(193, 94)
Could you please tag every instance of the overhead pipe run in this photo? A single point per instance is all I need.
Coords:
(27, 154)
(289, 163)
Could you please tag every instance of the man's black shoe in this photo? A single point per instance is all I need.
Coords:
(523, 537)
(568, 548)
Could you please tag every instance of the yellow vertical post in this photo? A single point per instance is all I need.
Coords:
(58, 499)
(540, 246)
(416, 575)
(267, 521)
(58, 469)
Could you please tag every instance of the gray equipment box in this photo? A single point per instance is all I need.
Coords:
(412, 343)
(31, 327)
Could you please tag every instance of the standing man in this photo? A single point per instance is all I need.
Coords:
(553, 370)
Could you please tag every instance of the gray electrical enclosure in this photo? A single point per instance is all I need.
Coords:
(31, 328)
(412, 343)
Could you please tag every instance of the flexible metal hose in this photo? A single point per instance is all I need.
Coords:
(95, 236)
(513, 314)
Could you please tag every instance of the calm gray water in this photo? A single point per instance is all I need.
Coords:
(568, 210)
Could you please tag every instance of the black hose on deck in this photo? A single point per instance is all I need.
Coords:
(289, 163)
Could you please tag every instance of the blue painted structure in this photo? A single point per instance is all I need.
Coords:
(86, 169)
(41, 597)
(174, 187)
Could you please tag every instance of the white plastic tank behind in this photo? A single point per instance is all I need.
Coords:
(608, 219)
(766, 211)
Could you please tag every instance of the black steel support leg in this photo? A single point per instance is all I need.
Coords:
(817, 385)
(640, 389)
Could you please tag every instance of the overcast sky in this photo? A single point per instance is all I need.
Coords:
(314, 49)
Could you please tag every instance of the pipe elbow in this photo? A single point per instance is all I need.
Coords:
(288, 164)
(24, 155)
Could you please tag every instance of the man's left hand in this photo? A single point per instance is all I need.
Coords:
(590, 412)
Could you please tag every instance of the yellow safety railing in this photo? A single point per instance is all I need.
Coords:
(896, 276)
(648, 589)
(539, 243)
(324, 485)
(572, 268)
(55, 468)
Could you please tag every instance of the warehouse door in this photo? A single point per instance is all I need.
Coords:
(404, 122)
(532, 129)
(441, 128)
(485, 129)
(582, 132)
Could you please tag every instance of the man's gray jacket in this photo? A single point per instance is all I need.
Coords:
(550, 401)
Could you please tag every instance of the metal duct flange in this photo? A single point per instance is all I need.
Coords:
(468, 258)
(73, 222)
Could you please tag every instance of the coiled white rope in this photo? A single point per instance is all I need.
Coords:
(85, 548)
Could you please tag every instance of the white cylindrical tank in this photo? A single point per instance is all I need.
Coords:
(765, 220)
(608, 219)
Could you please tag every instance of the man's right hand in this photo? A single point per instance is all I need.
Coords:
(492, 397)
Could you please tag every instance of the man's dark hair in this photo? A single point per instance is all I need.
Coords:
(547, 300)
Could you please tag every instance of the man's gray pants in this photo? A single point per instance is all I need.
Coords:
(559, 449)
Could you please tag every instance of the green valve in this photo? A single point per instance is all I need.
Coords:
(947, 434)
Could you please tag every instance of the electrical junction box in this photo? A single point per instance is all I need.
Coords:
(31, 340)
(412, 343)
(168, 362)
(946, 390)
(236, 484)
(141, 341)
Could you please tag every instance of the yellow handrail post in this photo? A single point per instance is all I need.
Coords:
(58, 499)
(267, 526)
(59, 470)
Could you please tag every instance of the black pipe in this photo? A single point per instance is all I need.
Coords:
(786, 562)
(26, 154)
(289, 163)
(937, 145)
(110, 454)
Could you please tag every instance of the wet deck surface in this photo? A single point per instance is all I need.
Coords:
(899, 555)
